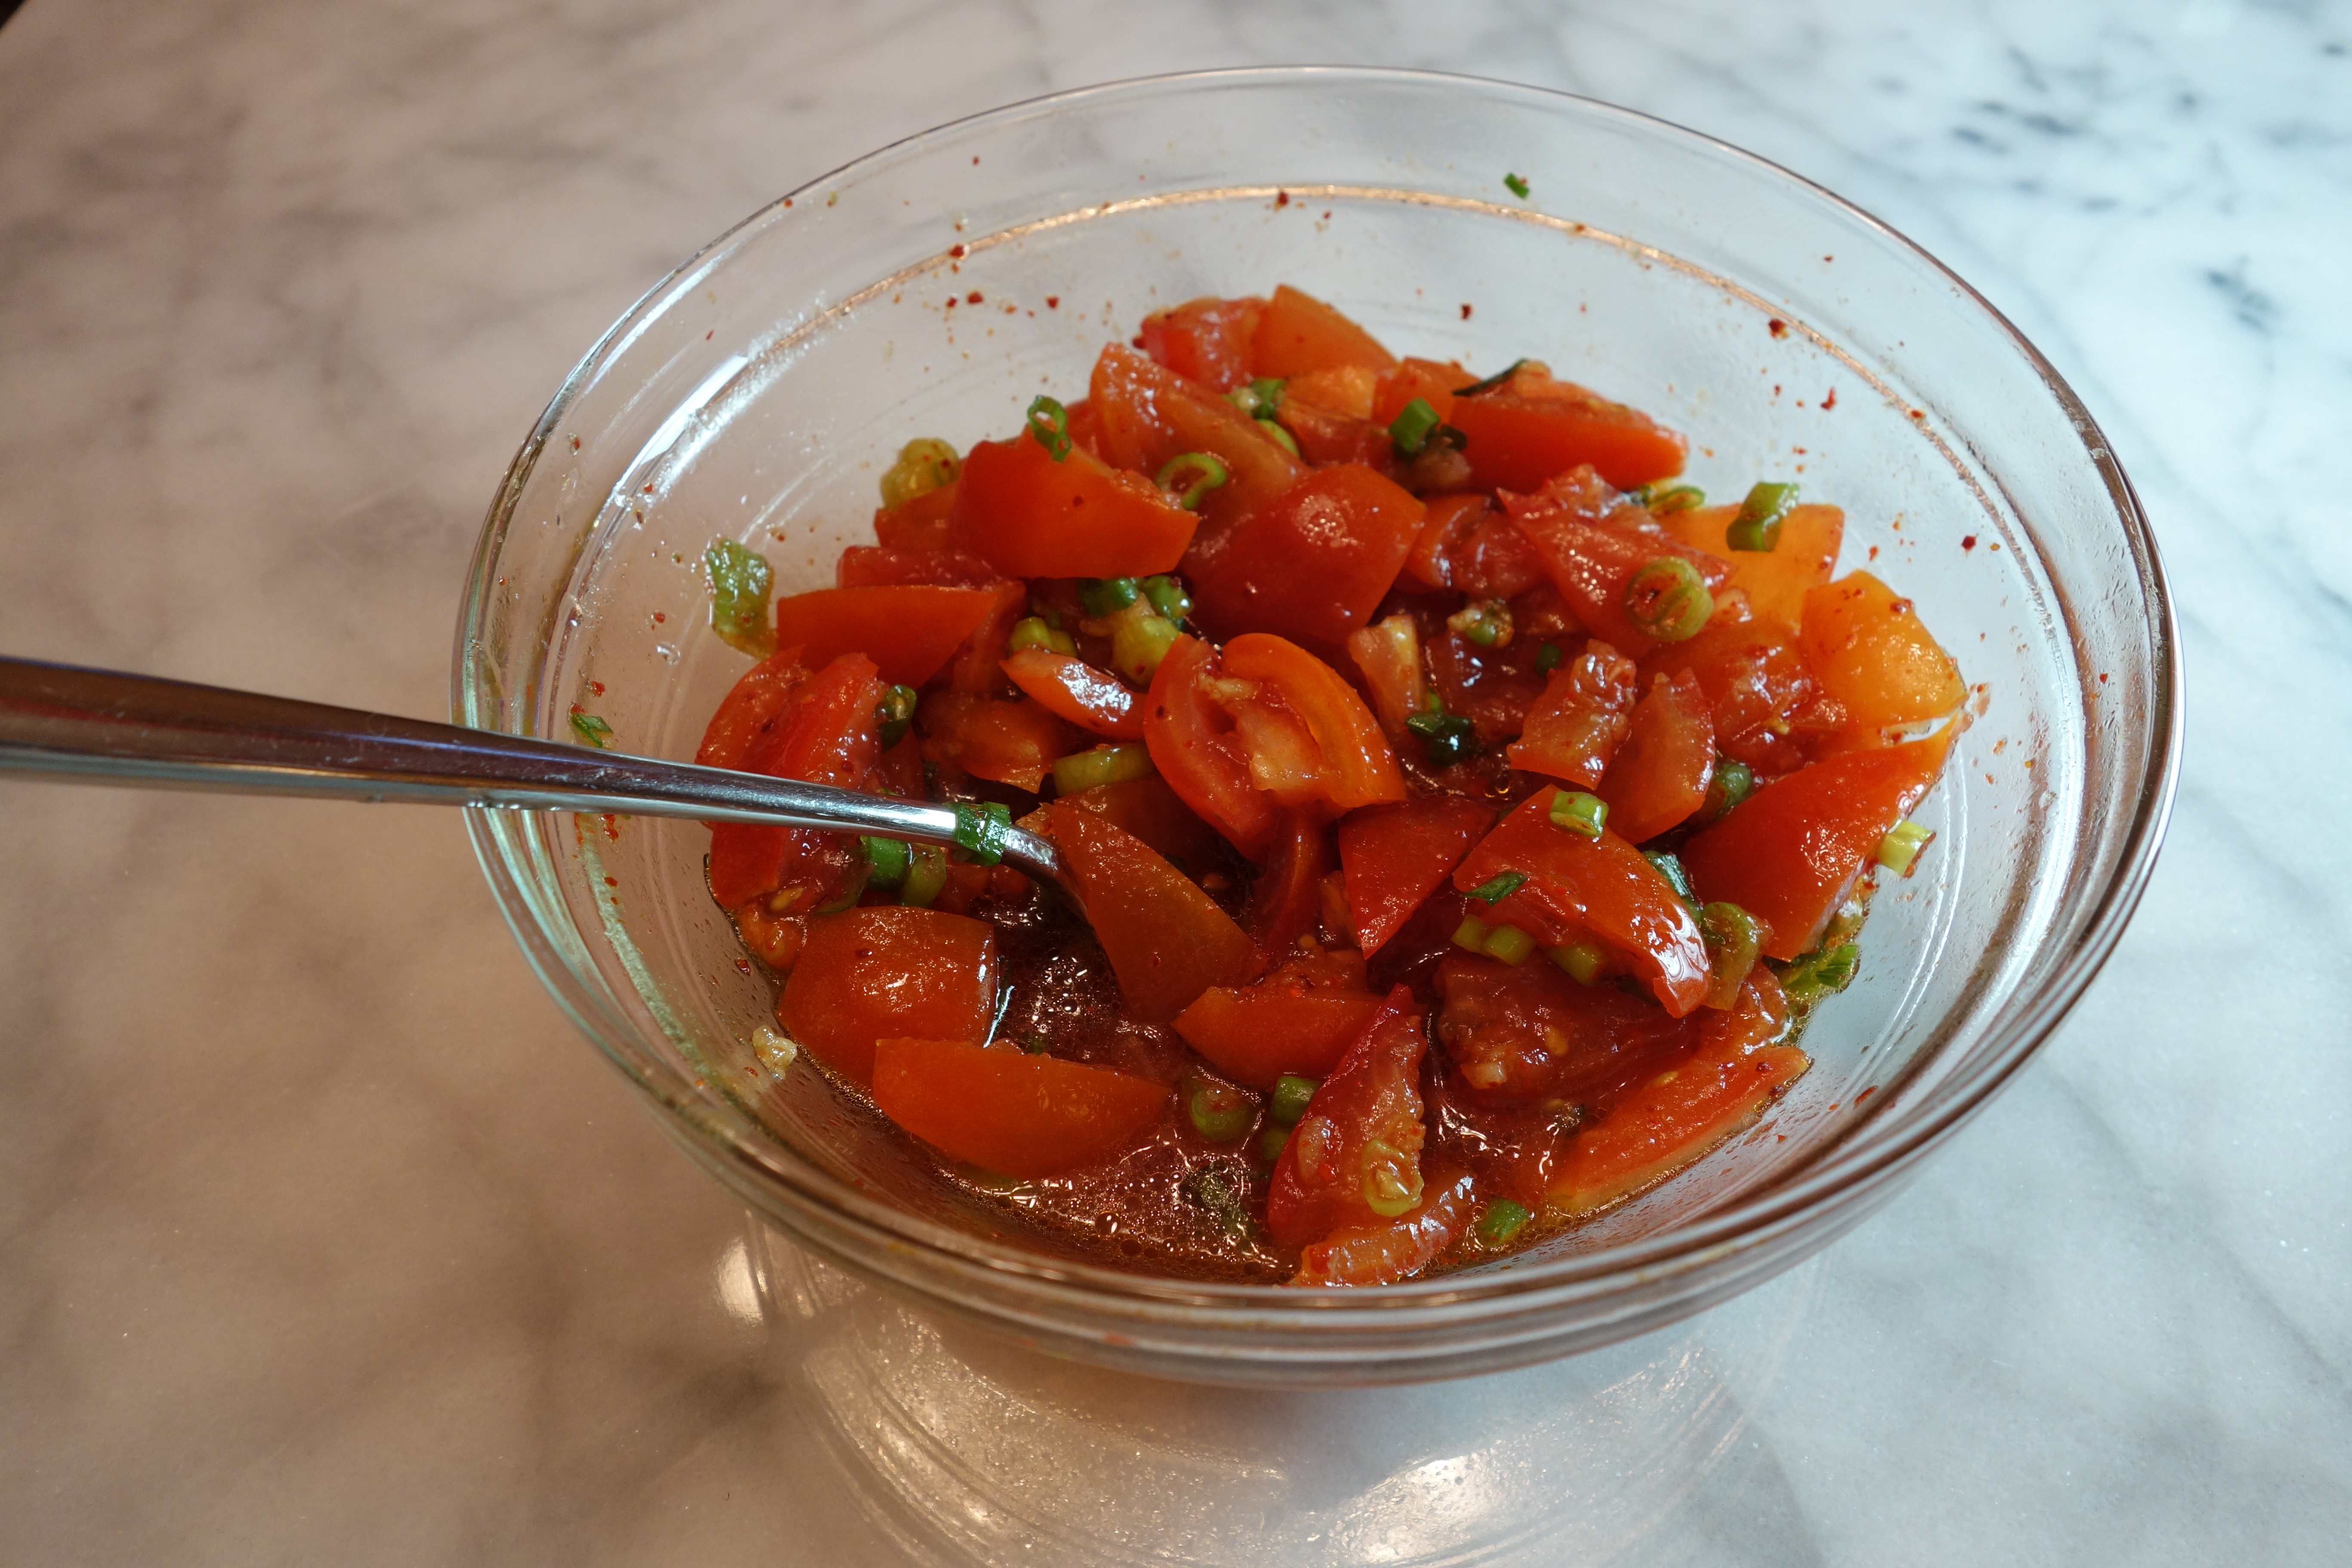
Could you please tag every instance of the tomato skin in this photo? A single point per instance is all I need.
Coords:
(1790, 853)
(880, 566)
(824, 731)
(1149, 414)
(1391, 1251)
(1755, 682)
(1444, 526)
(919, 522)
(1583, 716)
(1601, 887)
(1286, 901)
(1149, 810)
(1346, 390)
(1009, 1112)
(870, 973)
(979, 667)
(1193, 746)
(1167, 940)
(909, 630)
(751, 705)
(1394, 857)
(1495, 688)
(1006, 742)
(1775, 580)
(1208, 341)
(1254, 1033)
(1697, 1098)
(1371, 1095)
(1325, 437)
(1659, 776)
(1520, 1034)
(1532, 427)
(1029, 516)
(1073, 689)
(1312, 564)
(1590, 541)
(1873, 657)
(1299, 334)
(1357, 766)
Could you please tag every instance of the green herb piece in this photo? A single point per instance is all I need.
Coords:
(1292, 1095)
(1279, 436)
(1168, 596)
(1219, 1111)
(1756, 525)
(1049, 423)
(1502, 1220)
(1261, 399)
(1485, 622)
(1732, 783)
(1581, 814)
(1516, 186)
(1670, 867)
(1036, 1045)
(885, 860)
(1270, 1142)
(1190, 476)
(1821, 973)
(1103, 598)
(741, 584)
(1509, 943)
(1899, 851)
(1667, 599)
(590, 729)
(1546, 658)
(980, 831)
(1733, 940)
(1584, 960)
(1209, 1188)
(1137, 644)
(1492, 382)
(1472, 934)
(1411, 427)
(926, 873)
(1499, 887)
(1033, 631)
(894, 713)
(1671, 500)
(924, 465)
(1100, 765)
(1446, 738)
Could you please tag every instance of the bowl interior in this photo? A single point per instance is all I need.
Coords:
(934, 289)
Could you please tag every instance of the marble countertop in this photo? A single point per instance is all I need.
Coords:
(323, 1238)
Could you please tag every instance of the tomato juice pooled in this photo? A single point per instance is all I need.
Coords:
(1469, 814)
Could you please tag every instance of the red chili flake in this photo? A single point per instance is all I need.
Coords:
(788, 201)
(659, 617)
(1968, 541)
(649, 490)
(2103, 678)
(1829, 258)
(1466, 312)
(1874, 552)
(1829, 400)
(1326, 215)
(973, 297)
(1777, 327)
(744, 965)
(1865, 1094)
(575, 443)
(975, 160)
(1136, 340)
(951, 301)
(1833, 1104)
(611, 881)
(1776, 389)
(709, 335)
(1282, 198)
(1917, 413)
(1053, 301)
(596, 689)
(956, 251)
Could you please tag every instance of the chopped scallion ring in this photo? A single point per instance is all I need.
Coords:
(980, 831)
(1499, 887)
(1517, 187)
(1104, 597)
(1820, 973)
(1190, 476)
(1732, 783)
(1757, 527)
(1168, 596)
(1100, 765)
(894, 713)
(1583, 960)
(1581, 814)
(924, 465)
(1671, 500)
(1411, 427)
(1033, 631)
(1485, 622)
(1137, 644)
(1546, 658)
(1209, 1187)
(1667, 599)
(592, 730)
(1502, 1220)
(1734, 937)
(1219, 1111)
(1291, 1096)
(1446, 738)
(887, 860)
(926, 873)
(740, 582)
(1472, 934)
(1899, 851)
(1261, 399)
(1508, 943)
(1049, 423)
(1492, 382)
(1279, 436)
(1270, 1142)
(1668, 865)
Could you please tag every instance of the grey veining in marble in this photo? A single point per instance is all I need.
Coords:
(321, 1238)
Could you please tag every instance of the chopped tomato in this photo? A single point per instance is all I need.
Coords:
(1526, 1034)
(1755, 682)
(1071, 688)
(1391, 1251)
(1601, 888)
(1591, 542)
(1388, 657)
(1148, 809)
(1700, 1097)
(1324, 436)
(1774, 580)
(1792, 851)
(1444, 529)
(880, 567)
(1351, 763)
(1210, 340)
(1150, 416)
(1659, 775)
(1286, 901)
(1394, 857)
(979, 666)
(1009, 1112)
(1346, 390)
(1167, 940)
(919, 522)
(1006, 742)
(1030, 516)
(1193, 745)
(825, 731)
(1533, 427)
(1359, 1144)
(1575, 727)
(909, 630)
(1254, 1033)
(1495, 688)
(1873, 658)
(1299, 334)
(870, 973)
(1312, 564)
(1427, 380)
(751, 705)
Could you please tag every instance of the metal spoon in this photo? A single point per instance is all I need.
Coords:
(103, 727)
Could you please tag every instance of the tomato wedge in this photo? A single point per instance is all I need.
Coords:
(1254, 1033)
(1598, 887)
(919, 523)
(1151, 415)
(1208, 341)
(751, 705)
(825, 731)
(1167, 940)
(1193, 744)
(1298, 334)
(1029, 516)
(1005, 743)
(1355, 765)
(1359, 1141)
(1659, 775)
(1590, 541)
(1872, 656)
(909, 630)
(1147, 808)
(1009, 1112)
(1582, 718)
(1755, 682)
(1394, 1250)
(1288, 897)
(1312, 564)
(1776, 580)
(1394, 857)
(865, 973)
(1792, 851)
(1533, 427)
(1074, 689)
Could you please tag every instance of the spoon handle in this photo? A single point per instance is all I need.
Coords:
(102, 727)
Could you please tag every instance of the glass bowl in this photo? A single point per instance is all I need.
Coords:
(933, 287)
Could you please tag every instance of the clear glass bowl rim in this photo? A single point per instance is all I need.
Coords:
(1864, 1165)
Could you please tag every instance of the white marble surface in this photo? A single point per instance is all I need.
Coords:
(322, 1239)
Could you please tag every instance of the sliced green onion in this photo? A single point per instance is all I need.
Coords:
(980, 831)
(1670, 867)
(1485, 622)
(926, 873)
(1270, 1142)
(1846, 925)
(1581, 814)
(1498, 887)
(1292, 1094)
(1392, 1180)
(1261, 399)
(1190, 476)
(1757, 524)
(1103, 598)
(1472, 934)
(1100, 765)
(894, 713)
(1168, 596)
(1732, 784)
(1492, 382)
(1502, 1220)
(1517, 187)
(1279, 436)
(1899, 851)
(1033, 631)
(1036, 1045)
(1049, 423)
(1209, 1187)
(924, 465)
(1137, 645)
(1446, 738)
(1671, 500)
(1412, 426)
(1667, 599)
(1219, 1111)
(1733, 940)
(1546, 658)
(1508, 943)
(740, 582)
(1820, 973)
(849, 894)
(590, 729)
(1584, 960)
(886, 861)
